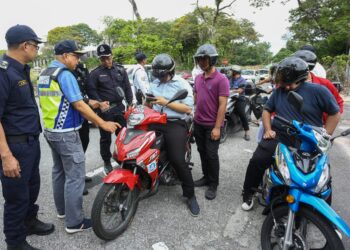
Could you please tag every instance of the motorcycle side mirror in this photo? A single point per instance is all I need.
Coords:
(120, 92)
(346, 132)
(179, 95)
(296, 100)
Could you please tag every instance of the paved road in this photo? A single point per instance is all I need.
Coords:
(165, 218)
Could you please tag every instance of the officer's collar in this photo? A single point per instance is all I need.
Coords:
(16, 64)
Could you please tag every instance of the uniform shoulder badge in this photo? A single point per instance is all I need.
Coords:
(3, 64)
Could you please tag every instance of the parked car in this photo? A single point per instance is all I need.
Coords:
(261, 74)
(248, 74)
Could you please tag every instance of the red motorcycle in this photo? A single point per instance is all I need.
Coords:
(143, 165)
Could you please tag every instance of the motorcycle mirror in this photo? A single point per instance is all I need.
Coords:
(179, 95)
(120, 92)
(296, 100)
(346, 132)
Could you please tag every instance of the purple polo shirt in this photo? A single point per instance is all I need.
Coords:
(207, 97)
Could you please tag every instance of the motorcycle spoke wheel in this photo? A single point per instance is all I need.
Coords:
(311, 231)
(113, 210)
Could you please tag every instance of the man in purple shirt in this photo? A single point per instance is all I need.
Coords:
(211, 90)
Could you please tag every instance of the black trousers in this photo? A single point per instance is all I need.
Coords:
(84, 132)
(240, 109)
(261, 160)
(175, 135)
(113, 115)
(21, 193)
(208, 151)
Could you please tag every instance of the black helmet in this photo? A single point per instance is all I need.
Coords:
(309, 57)
(162, 65)
(139, 56)
(207, 50)
(272, 69)
(291, 70)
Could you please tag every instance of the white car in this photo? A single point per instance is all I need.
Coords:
(248, 74)
(261, 74)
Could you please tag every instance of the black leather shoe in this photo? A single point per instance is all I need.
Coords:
(88, 179)
(193, 206)
(35, 226)
(201, 182)
(24, 246)
(85, 192)
(210, 194)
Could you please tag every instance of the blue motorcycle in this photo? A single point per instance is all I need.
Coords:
(296, 187)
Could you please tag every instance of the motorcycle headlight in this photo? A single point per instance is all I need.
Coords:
(323, 140)
(135, 119)
(324, 179)
(134, 153)
(283, 167)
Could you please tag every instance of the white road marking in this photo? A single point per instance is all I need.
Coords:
(99, 170)
(160, 246)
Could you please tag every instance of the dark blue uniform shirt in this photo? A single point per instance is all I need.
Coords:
(103, 82)
(19, 114)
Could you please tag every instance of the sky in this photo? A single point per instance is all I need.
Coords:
(43, 15)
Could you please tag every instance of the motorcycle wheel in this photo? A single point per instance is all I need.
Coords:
(113, 210)
(223, 135)
(310, 231)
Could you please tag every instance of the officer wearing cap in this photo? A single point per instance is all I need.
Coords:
(140, 77)
(19, 140)
(62, 107)
(103, 82)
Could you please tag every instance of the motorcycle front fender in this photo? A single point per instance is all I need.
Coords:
(323, 208)
(122, 176)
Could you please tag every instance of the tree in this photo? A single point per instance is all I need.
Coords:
(81, 33)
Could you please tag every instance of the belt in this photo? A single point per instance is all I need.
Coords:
(21, 138)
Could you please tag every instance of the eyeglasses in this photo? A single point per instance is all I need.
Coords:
(34, 45)
(74, 55)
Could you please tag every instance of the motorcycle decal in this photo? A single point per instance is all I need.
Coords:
(151, 167)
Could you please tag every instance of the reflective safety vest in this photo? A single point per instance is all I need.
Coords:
(55, 107)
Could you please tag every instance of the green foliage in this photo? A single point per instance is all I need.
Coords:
(283, 53)
(323, 23)
(81, 33)
(336, 68)
(2, 52)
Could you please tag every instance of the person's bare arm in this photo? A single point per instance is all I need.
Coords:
(90, 115)
(10, 165)
(332, 122)
(215, 133)
(266, 119)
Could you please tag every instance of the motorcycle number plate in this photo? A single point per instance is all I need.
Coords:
(151, 167)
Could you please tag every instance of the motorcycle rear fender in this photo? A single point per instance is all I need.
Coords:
(122, 176)
(323, 208)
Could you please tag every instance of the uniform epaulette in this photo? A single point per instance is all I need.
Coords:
(118, 65)
(3, 64)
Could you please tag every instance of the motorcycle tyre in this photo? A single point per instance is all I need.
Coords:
(97, 209)
(318, 220)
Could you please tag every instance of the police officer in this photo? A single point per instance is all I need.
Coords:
(103, 82)
(82, 74)
(140, 77)
(19, 140)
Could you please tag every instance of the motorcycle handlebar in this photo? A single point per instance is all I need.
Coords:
(284, 121)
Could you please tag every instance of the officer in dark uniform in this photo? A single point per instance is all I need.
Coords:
(82, 74)
(103, 82)
(19, 140)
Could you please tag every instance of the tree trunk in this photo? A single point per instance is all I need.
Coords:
(135, 10)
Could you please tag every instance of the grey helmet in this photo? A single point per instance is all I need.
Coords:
(208, 50)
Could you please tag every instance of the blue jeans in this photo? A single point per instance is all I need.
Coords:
(68, 174)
